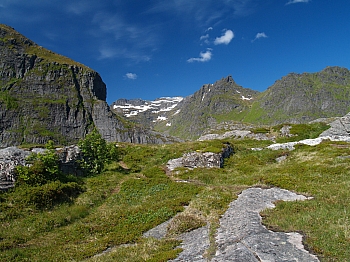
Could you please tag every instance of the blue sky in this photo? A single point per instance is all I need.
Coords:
(153, 48)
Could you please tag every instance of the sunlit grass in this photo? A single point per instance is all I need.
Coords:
(135, 194)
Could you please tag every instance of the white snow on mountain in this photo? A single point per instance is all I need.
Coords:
(246, 98)
(163, 104)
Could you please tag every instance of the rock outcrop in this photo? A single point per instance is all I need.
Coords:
(11, 157)
(45, 96)
(201, 160)
(339, 127)
(241, 235)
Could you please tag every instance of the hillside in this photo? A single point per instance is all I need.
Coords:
(45, 96)
(224, 105)
(147, 113)
(110, 217)
(300, 98)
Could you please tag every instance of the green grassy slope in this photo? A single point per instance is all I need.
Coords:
(135, 194)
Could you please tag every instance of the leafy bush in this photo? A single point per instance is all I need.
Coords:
(42, 184)
(46, 196)
(43, 168)
(96, 153)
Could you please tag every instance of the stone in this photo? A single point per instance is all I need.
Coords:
(339, 127)
(242, 237)
(10, 158)
(201, 160)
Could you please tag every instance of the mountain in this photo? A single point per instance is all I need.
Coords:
(45, 96)
(300, 98)
(211, 104)
(296, 98)
(146, 113)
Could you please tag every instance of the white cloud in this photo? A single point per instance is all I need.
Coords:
(124, 39)
(209, 28)
(297, 1)
(203, 37)
(131, 76)
(225, 38)
(203, 57)
(259, 35)
(106, 52)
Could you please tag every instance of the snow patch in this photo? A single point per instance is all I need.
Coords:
(163, 104)
(246, 98)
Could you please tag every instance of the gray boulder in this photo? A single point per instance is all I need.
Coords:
(204, 160)
(11, 157)
(339, 127)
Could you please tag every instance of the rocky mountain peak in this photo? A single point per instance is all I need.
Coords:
(45, 96)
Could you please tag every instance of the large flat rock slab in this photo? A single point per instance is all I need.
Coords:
(242, 237)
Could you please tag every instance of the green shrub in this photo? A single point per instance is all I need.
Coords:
(43, 168)
(47, 195)
(95, 153)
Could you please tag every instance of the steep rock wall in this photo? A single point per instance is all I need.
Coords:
(45, 96)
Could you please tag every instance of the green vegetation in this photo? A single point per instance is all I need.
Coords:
(50, 56)
(302, 131)
(132, 193)
(95, 151)
(10, 102)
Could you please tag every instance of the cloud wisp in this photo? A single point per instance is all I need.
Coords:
(259, 35)
(297, 1)
(203, 57)
(131, 76)
(137, 41)
(225, 38)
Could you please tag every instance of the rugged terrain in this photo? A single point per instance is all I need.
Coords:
(142, 207)
(45, 96)
(226, 106)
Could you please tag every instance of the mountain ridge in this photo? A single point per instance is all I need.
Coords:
(295, 98)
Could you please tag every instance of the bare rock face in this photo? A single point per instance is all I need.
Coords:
(204, 160)
(45, 96)
(339, 127)
(9, 158)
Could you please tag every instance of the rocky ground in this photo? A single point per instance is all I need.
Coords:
(241, 235)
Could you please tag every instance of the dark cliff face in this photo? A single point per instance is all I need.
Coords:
(45, 96)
